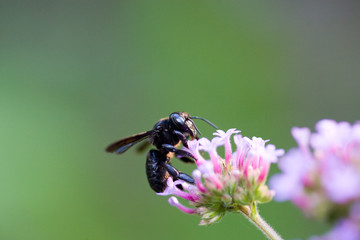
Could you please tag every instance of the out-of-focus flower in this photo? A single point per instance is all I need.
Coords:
(322, 175)
(235, 182)
(344, 230)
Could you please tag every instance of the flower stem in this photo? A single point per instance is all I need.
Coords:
(253, 215)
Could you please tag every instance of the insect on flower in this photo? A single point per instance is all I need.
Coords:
(166, 135)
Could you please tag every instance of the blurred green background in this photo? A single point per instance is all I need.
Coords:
(78, 75)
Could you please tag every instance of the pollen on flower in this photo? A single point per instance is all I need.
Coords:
(225, 183)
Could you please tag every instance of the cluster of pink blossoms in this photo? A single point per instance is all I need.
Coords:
(322, 176)
(227, 183)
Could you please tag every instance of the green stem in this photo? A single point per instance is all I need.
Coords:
(253, 215)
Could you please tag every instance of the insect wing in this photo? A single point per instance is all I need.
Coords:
(124, 144)
(143, 146)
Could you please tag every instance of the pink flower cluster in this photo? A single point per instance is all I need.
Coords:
(346, 228)
(225, 183)
(322, 175)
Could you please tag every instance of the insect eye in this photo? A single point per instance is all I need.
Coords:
(178, 120)
(183, 123)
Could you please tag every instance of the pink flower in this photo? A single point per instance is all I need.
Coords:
(172, 189)
(344, 229)
(225, 136)
(226, 183)
(322, 175)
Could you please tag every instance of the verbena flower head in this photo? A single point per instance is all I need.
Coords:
(346, 228)
(225, 183)
(322, 175)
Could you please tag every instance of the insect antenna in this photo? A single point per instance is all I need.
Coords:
(205, 120)
(197, 130)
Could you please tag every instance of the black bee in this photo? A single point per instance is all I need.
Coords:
(166, 135)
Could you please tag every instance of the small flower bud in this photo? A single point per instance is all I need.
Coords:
(226, 199)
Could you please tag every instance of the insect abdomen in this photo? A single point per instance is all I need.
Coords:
(155, 170)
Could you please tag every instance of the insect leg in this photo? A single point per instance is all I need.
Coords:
(171, 148)
(176, 174)
(182, 138)
(185, 159)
